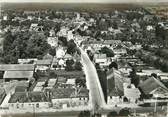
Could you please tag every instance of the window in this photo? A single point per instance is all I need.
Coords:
(37, 105)
(17, 106)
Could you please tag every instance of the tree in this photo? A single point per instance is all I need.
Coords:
(97, 65)
(69, 65)
(84, 114)
(80, 82)
(37, 45)
(154, 75)
(113, 65)
(134, 78)
(78, 66)
(112, 114)
(107, 51)
(52, 74)
(124, 112)
(52, 51)
(63, 40)
(71, 47)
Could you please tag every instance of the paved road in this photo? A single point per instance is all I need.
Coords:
(93, 83)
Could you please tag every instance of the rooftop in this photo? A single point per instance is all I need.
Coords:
(151, 84)
(25, 97)
(44, 62)
(16, 67)
(100, 56)
(74, 74)
(63, 93)
(115, 80)
(18, 74)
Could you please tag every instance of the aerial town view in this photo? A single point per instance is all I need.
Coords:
(83, 60)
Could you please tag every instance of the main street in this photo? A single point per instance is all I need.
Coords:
(93, 83)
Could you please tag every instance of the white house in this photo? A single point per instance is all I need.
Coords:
(69, 97)
(131, 92)
(60, 53)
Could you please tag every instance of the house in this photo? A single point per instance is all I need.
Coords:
(60, 53)
(27, 61)
(69, 35)
(52, 82)
(67, 57)
(71, 81)
(17, 67)
(21, 89)
(18, 75)
(43, 65)
(131, 92)
(63, 31)
(111, 43)
(148, 72)
(101, 59)
(5, 17)
(69, 74)
(39, 86)
(53, 41)
(121, 51)
(126, 69)
(115, 89)
(61, 64)
(152, 87)
(28, 100)
(48, 57)
(61, 97)
(135, 47)
(69, 97)
(2, 95)
(52, 33)
(36, 27)
(61, 80)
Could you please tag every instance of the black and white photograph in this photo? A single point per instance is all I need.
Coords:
(84, 58)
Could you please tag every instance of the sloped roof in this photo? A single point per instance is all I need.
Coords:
(23, 97)
(115, 81)
(62, 80)
(48, 56)
(100, 56)
(67, 56)
(62, 93)
(16, 67)
(83, 92)
(112, 41)
(152, 84)
(18, 74)
(44, 62)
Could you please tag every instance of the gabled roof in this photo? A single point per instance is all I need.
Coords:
(16, 67)
(23, 97)
(18, 74)
(67, 56)
(83, 92)
(115, 80)
(151, 84)
(44, 62)
(112, 41)
(62, 93)
(100, 56)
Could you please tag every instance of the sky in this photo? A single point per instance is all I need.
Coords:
(85, 1)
